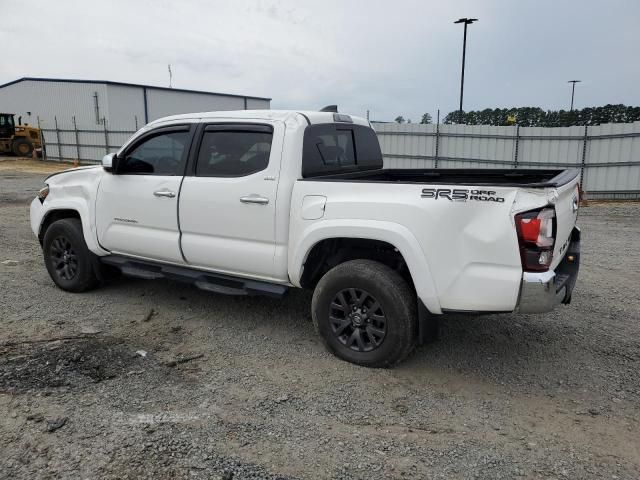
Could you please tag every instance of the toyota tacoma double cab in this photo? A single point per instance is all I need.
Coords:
(258, 202)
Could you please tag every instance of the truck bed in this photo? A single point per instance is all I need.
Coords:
(459, 176)
(464, 240)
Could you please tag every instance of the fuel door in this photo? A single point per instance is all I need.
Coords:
(313, 207)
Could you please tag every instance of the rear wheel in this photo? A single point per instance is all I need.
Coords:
(22, 147)
(68, 260)
(365, 313)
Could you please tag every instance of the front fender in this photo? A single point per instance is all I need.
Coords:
(71, 190)
(39, 213)
(395, 234)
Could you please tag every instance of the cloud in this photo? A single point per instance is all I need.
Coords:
(392, 58)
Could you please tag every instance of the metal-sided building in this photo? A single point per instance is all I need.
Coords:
(123, 106)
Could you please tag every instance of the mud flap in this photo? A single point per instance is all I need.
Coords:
(428, 325)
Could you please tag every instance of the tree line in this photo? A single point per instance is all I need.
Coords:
(537, 117)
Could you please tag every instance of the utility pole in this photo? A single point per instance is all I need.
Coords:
(465, 21)
(170, 77)
(573, 91)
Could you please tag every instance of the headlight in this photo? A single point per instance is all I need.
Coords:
(42, 194)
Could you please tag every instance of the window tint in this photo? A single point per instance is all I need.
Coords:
(233, 153)
(162, 154)
(335, 148)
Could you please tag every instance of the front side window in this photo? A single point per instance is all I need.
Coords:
(230, 153)
(163, 154)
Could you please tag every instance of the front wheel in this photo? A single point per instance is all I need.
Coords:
(365, 313)
(22, 147)
(68, 260)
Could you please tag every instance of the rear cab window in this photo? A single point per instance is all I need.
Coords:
(339, 148)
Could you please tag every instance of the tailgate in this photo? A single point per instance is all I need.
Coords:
(566, 206)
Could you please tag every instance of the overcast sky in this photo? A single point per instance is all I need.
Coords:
(393, 57)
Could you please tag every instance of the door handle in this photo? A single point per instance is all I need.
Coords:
(254, 198)
(164, 193)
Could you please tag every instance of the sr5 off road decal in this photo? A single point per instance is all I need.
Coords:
(461, 195)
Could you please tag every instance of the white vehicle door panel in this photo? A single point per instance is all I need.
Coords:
(137, 210)
(228, 222)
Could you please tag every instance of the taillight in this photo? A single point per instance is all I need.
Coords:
(536, 237)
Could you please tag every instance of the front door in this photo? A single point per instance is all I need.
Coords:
(137, 205)
(228, 203)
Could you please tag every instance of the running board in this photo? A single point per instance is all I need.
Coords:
(211, 282)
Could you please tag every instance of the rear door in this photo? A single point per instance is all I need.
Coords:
(228, 200)
(137, 205)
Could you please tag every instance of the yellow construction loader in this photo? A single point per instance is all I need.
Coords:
(20, 140)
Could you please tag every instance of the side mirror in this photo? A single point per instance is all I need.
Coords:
(109, 162)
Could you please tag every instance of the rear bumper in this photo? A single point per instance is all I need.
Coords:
(543, 291)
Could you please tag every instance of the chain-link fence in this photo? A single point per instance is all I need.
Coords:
(607, 155)
(66, 142)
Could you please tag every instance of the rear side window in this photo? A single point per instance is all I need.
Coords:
(335, 148)
(233, 153)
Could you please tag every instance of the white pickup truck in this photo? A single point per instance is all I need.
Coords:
(257, 202)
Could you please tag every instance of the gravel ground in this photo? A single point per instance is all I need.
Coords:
(90, 386)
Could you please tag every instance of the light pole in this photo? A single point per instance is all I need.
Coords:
(573, 91)
(466, 21)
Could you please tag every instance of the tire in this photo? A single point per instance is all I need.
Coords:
(67, 258)
(387, 335)
(22, 147)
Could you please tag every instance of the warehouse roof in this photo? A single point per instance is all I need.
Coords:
(109, 82)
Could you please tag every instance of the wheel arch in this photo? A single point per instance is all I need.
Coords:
(370, 234)
(333, 251)
(72, 209)
(55, 215)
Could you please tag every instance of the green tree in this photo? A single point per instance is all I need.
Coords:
(454, 117)
(536, 117)
(399, 119)
(426, 119)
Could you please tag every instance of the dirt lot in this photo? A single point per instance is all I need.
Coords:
(550, 396)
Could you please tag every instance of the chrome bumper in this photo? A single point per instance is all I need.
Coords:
(543, 291)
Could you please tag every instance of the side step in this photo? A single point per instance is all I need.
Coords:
(211, 282)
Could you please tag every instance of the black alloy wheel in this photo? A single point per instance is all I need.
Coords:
(365, 313)
(70, 263)
(357, 320)
(64, 258)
